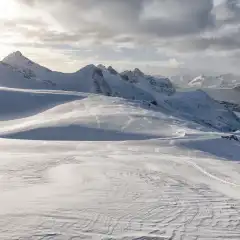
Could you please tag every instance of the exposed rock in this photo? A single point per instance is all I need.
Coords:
(231, 137)
(112, 70)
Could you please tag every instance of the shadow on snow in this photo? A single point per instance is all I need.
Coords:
(77, 133)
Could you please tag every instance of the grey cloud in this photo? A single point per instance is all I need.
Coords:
(140, 21)
(183, 16)
(228, 12)
(179, 27)
(233, 6)
(225, 42)
(136, 22)
(22, 22)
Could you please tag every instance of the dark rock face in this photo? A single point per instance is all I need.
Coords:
(162, 85)
(138, 72)
(231, 106)
(125, 77)
(99, 72)
(154, 103)
(112, 70)
(231, 137)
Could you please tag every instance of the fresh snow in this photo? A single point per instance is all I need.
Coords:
(94, 158)
(18, 61)
(206, 81)
(90, 79)
(200, 107)
(231, 95)
(15, 78)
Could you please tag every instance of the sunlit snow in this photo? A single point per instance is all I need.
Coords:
(86, 165)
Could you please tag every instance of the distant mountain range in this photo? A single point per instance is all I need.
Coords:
(28, 69)
(19, 71)
(204, 81)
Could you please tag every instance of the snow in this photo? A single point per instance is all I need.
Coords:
(153, 85)
(18, 61)
(16, 103)
(198, 81)
(13, 78)
(228, 97)
(90, 79)
(231, 95)
(206, 81)
(198, 106)
(79, 120)
(109, 168)
(80, 165)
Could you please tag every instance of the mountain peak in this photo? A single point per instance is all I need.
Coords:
(16, 54)
(138, 72)
(112, 70)
(19, 61)
(101, 66)
(14, 57)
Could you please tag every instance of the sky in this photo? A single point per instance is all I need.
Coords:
(163, 37)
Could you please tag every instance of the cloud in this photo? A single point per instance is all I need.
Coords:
(139, 31)
(232, 11)
(119, 22)
(142, 17)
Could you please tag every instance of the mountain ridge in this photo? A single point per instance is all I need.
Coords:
(94, 74)
(193, 105)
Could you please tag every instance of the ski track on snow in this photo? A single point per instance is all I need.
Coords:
(209, 174)
(138, 195)
(129, 190)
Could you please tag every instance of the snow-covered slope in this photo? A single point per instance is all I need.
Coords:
(15, 78)
(89, 117)
(200, 107)
(17, 103)
(206, 81)
(109, 168)
(227, 96)
(31, 69)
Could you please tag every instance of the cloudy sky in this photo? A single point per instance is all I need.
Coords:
(158, 36)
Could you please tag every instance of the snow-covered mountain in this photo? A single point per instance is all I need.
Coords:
(93, 79)
(223, 88)
(181, 81)
(222, 81)
(229, 97)
(205, 81)
(198, 106)
(17, 78)
(29, 68)
(149, 83)
(20, 72)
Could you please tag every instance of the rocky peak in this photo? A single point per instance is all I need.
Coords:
(138, 72)
(112, 70)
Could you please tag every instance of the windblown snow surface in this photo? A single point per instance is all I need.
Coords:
(85, 166)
